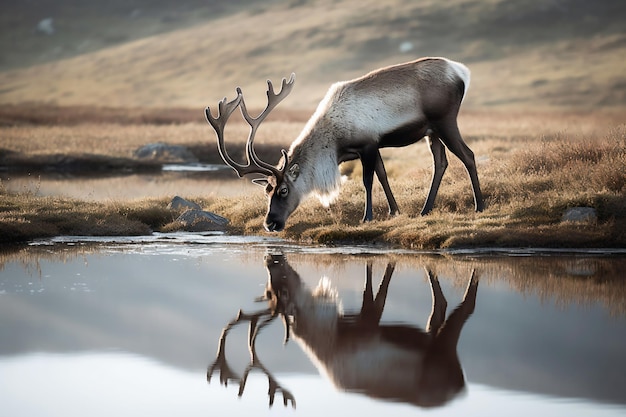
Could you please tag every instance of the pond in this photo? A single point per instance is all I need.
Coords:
(133, 326)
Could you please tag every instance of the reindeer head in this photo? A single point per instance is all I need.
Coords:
(283, 196)
(283, 285)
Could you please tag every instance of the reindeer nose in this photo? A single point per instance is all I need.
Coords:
(273, 226)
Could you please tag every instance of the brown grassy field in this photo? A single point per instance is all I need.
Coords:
(544, 114)
(528, 179)
(532, 166)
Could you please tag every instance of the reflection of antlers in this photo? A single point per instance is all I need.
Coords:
(255, 363)
(226, 372)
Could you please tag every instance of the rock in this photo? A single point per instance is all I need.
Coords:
(46, 26)
(194, 219)
(201, 221)
(162, 152)
(405, 47)
(580, 215)
(178, 203)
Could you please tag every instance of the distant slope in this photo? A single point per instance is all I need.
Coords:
(76, 27)
(521, 53)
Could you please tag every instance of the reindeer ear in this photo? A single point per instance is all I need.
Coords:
(261, 182)
(293, 172)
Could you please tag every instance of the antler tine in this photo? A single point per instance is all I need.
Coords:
(225, 109)
(272, 101)
(272, 98)
(220, 363)
(226, 373)
(255, 363)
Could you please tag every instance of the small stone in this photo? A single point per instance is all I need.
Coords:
(164, 153)
(405, 47)
(580, 215)
(178, 203)
(46, 26)
(202, 221)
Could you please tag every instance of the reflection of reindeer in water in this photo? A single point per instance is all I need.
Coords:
(356, 352)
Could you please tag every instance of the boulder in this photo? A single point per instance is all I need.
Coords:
(178, 203)
(201, 221)
(580, 215)
(164, 153)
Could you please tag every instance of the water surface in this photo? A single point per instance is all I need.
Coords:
(128, 327)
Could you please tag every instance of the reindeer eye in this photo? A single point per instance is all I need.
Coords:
(283, 191)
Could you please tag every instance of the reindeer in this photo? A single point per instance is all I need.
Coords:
(392, 362)
(393, 106)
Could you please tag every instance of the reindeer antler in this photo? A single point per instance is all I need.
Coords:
(254, 163)
(226, 373)
(255, 363)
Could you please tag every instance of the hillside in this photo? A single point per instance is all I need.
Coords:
(560, 53)
(38, 31)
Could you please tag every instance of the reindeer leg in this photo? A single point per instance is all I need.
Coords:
(367, 306)
(368, 160)
(440, 164)
(451, 137)
(381, 294)
(372, 307)
(448, 336)
(440, 305)
(381, 173)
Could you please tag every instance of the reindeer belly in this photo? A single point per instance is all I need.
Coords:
(377, 369)
(404, 135)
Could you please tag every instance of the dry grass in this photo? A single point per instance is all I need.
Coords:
(532, 167)
(26, 216)
(527, 188)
